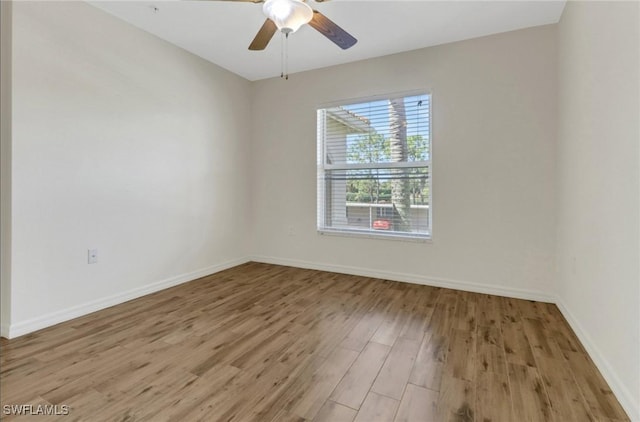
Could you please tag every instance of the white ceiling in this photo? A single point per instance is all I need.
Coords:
(221, 31)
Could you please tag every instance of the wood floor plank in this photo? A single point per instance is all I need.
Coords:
(355, 385)
(377, 408)
(189, 399)
(493, 397)
(489, 310)
(420, 311)
(598, 396)
(261, 394)
(466, 311)
(396, 370)
(281, 416)
(567, 404)
(529, 399)
(516, 344)
(390, 328)
(561, 333)
(541, 340)
(324, 380)
(335, 412)
(153, 393)
(508, 310)
(491, 355)
(416, 325)
(429, 364)
(262, 342)
(90, 401)
(443, 315)
(461, 357)
(456, 400)
(362, 333)
(418, 405)
(534, 310)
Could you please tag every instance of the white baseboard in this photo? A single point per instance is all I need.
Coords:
(413, 278)
(622, 393)
(26, 327)
(4, 330)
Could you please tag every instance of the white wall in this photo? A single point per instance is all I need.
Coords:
(5, 167)
(494, 119)
(124, 143)
(598, 187)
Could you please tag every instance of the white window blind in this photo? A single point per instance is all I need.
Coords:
(374, 167)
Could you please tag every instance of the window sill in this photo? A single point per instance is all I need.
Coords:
(373, 235)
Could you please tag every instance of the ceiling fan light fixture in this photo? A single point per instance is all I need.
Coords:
(288, 15)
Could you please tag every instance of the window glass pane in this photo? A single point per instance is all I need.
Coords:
(374, 166)
(361, 199)
(363, 133)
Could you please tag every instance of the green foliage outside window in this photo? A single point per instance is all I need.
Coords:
(373, 185)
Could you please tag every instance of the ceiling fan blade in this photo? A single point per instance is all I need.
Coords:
(329, 29)
(264, 35)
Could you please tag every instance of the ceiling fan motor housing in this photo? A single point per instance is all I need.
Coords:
(288, 15)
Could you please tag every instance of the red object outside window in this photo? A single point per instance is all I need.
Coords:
(381, 225)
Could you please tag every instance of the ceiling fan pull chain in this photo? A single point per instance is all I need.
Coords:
(286, 56)
(282, 54)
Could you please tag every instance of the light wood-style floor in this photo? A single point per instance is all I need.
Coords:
(270, 343)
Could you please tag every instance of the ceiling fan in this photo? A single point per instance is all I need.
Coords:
(287, 16)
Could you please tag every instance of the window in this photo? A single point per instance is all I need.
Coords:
(374, 167)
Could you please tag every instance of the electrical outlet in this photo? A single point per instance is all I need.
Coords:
(291, 230)
(92, 256)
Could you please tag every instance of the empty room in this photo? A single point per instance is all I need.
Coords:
(339, 210)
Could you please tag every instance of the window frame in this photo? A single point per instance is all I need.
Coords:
(323, 167)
